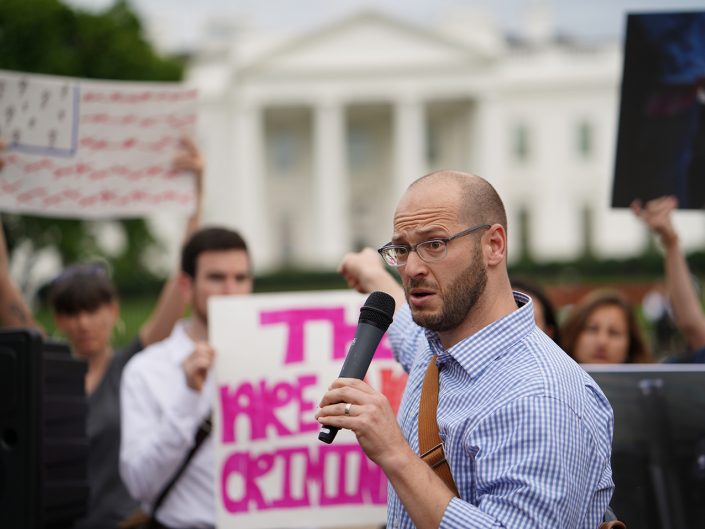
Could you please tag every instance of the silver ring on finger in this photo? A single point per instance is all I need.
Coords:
(347, 408)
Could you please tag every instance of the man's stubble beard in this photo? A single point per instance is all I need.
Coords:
(460, 297)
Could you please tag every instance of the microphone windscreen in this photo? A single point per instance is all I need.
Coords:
(378, 310)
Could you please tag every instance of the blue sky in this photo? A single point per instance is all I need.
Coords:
(180, 22)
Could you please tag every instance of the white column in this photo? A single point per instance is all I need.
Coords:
(330, 185)
(249, 199)
(409, 143)
(488, 142)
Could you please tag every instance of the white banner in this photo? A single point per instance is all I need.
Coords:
(86, 148)
(276, 356)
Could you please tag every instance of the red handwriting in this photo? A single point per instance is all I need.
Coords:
(171, 120)
(138, 97)
(97, 144)
(39, 196)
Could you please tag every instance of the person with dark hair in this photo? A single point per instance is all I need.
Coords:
(602, 329)
(520, 434)
(212, 240)
(86, 310)
(82, 287)
(544, 312)
(167, 392)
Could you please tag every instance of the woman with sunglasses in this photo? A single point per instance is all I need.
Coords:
(86, 310)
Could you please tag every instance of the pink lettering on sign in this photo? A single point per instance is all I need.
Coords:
(296, 320)
(359, 481)
(339, 455)
(260, 404)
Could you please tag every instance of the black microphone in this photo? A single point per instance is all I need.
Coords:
(375, 317)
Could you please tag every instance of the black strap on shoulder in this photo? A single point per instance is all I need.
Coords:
(204, 430)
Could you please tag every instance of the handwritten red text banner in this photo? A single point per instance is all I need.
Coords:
(83, 148)
(276, 355)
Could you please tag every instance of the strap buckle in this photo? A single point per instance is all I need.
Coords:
(435, 456)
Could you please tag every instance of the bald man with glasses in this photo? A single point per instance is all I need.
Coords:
(525, 433)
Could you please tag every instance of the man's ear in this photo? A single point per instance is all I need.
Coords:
(185, 283)
(495, 245)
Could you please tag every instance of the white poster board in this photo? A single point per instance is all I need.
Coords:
(86, 148)
(276, 356)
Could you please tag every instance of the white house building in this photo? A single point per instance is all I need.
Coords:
(311, 138)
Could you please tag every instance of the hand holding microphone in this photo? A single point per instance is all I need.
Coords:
(375, 317)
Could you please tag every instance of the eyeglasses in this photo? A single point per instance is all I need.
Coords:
(429, 251)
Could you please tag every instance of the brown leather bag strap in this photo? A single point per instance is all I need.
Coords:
(430, 443)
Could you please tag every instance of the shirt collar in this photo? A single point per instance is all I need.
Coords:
(477, 351)
(181, 343)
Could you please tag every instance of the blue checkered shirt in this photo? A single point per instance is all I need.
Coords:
(526, 431)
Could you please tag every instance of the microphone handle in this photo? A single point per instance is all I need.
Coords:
(367, 338)
(359, 357)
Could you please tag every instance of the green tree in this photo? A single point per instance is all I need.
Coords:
(47, 36)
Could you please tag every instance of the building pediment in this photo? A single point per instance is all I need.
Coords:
(364, 43)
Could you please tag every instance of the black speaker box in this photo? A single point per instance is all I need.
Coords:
(43, 441)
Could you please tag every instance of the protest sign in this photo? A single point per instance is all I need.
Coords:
(276, 356)
(661, 133)
(86, 148)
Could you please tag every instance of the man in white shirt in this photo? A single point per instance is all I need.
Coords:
(167, 391)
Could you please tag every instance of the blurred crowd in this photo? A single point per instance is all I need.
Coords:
(136, 446)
